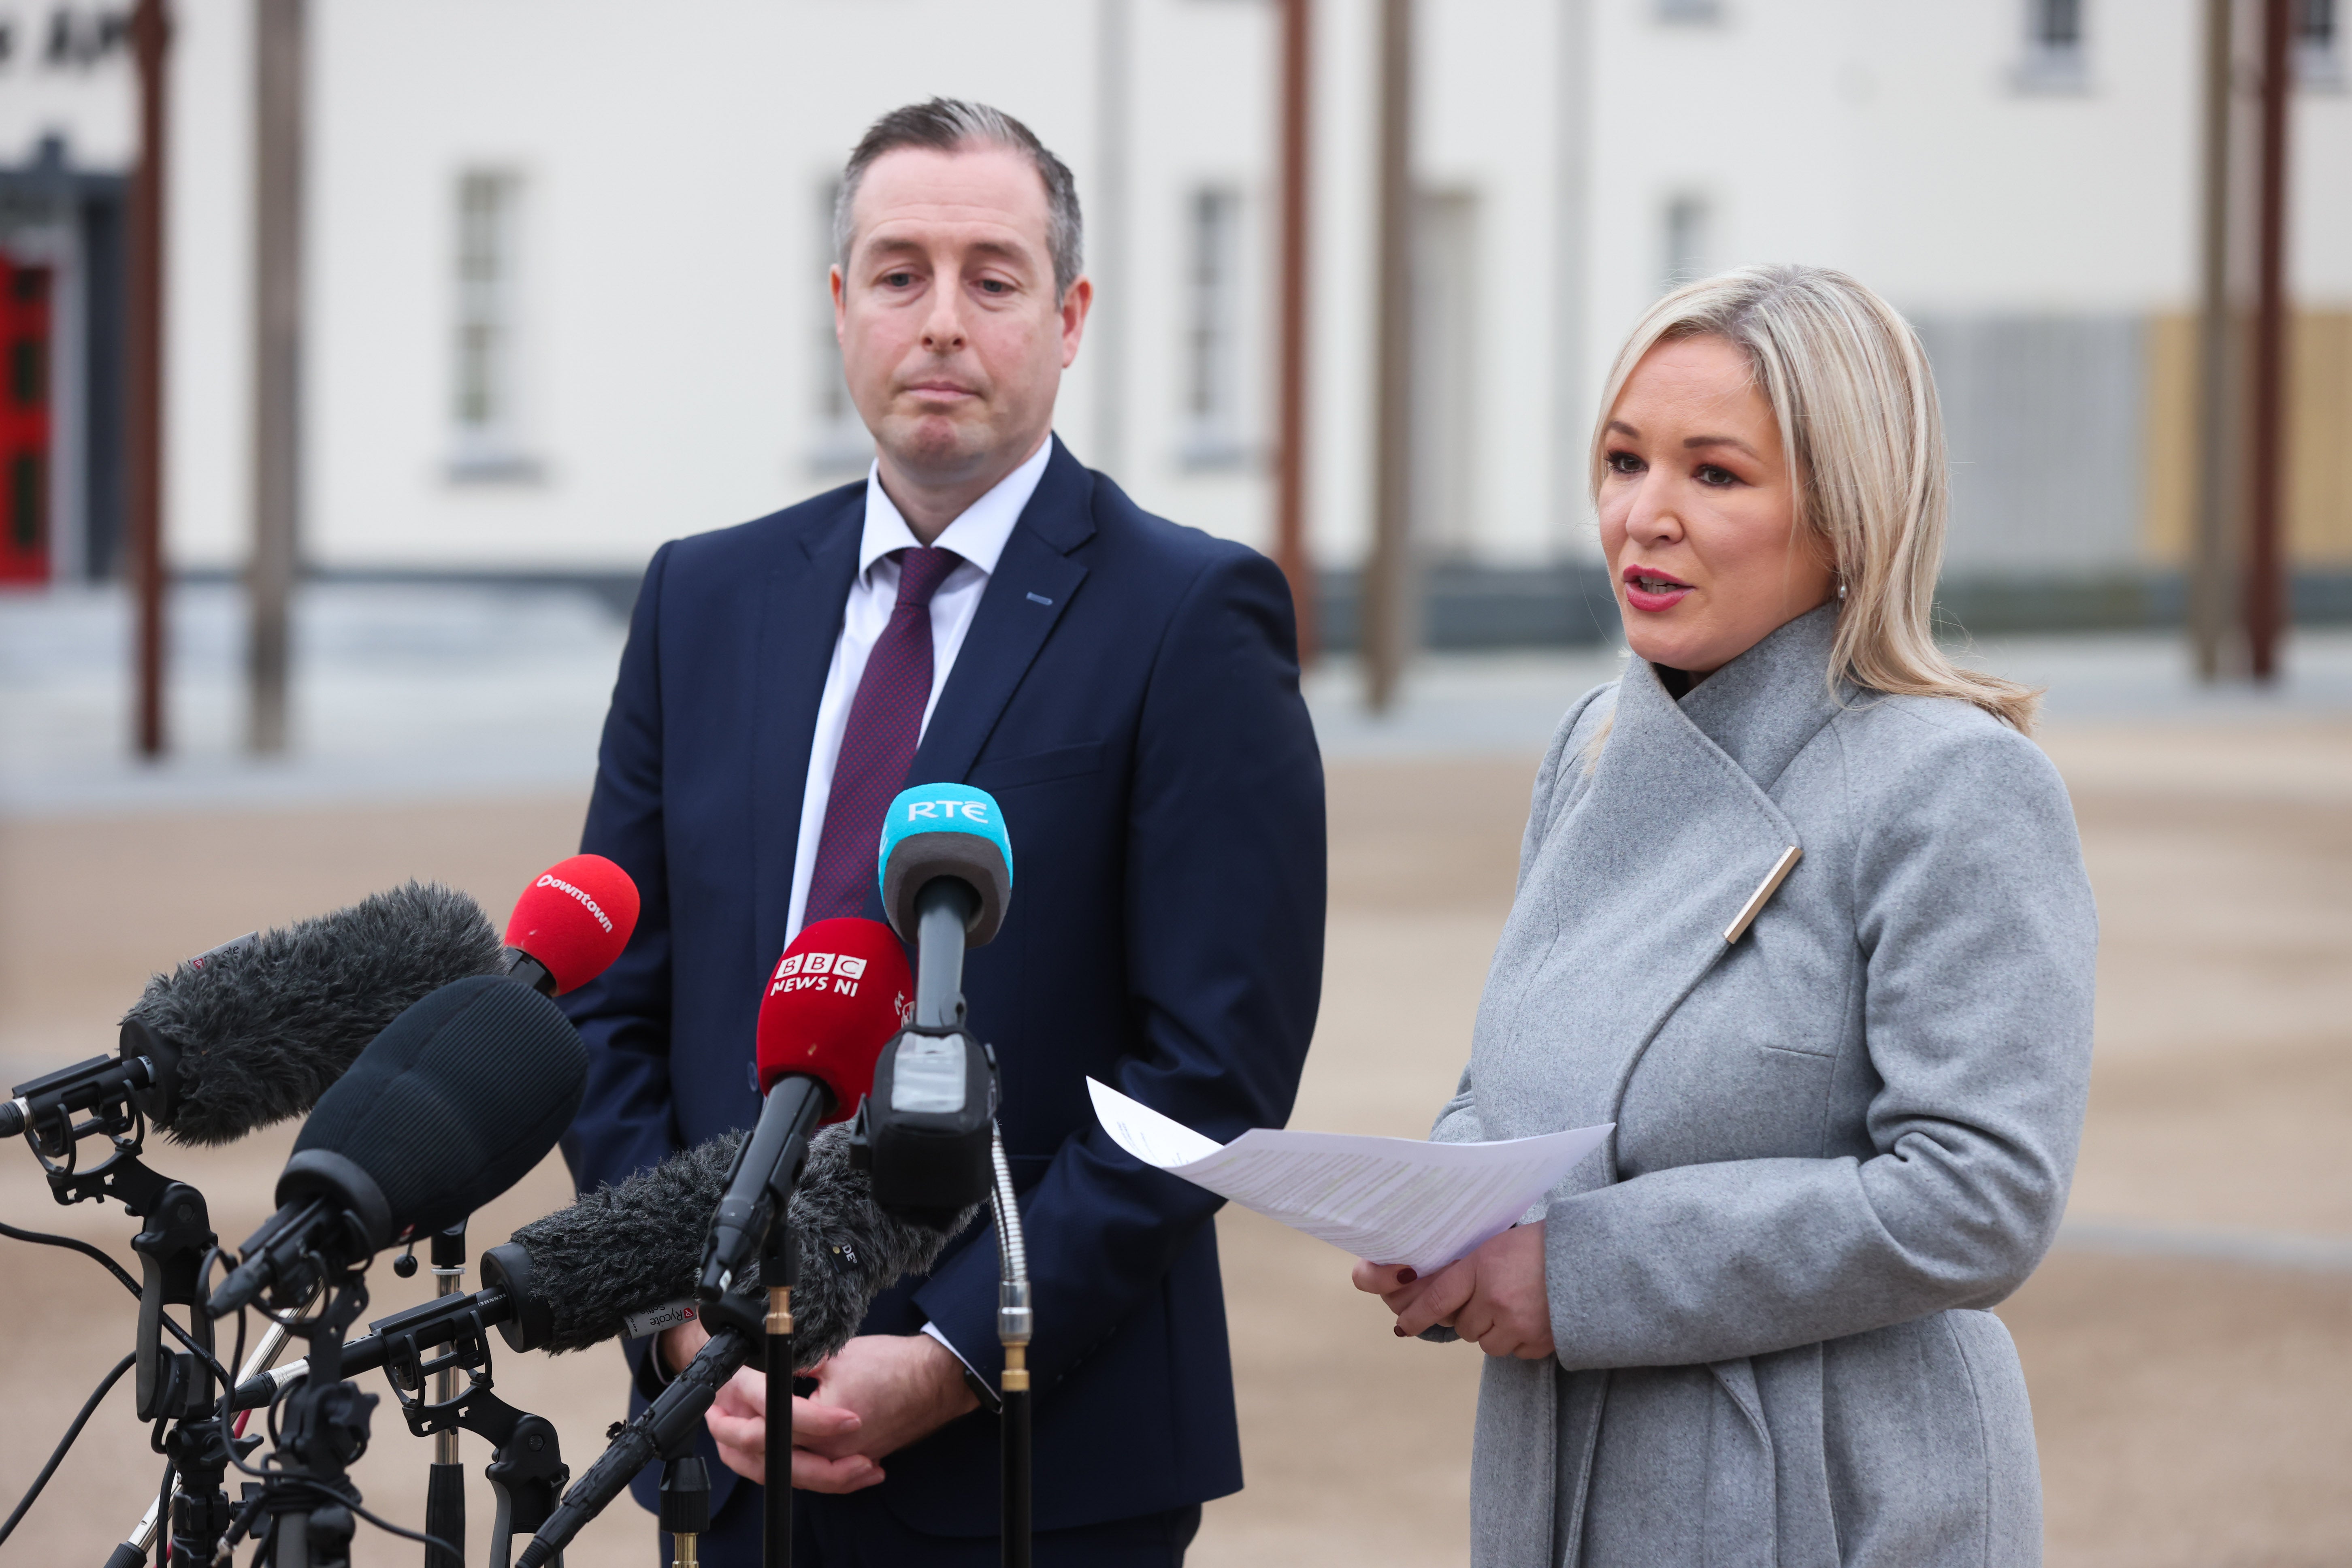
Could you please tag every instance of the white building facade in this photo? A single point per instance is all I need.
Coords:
(565, 259)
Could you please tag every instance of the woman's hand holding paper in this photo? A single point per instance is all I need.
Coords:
(1495, 1297)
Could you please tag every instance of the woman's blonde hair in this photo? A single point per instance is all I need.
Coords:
(1863, 439)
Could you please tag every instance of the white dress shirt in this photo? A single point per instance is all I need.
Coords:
(978, 534)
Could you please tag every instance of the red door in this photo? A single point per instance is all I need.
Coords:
(24, 422)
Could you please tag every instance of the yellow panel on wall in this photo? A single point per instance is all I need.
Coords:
(2319, 439)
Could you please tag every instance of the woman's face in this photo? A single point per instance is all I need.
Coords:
(1698, 510)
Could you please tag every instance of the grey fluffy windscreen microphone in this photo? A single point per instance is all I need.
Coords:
(580, 1276)
(255, 1032)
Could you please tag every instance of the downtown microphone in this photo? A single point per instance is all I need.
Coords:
(836, 997)
(451, 1105)
(570, 924)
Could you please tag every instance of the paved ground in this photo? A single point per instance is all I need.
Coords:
(2189, 1347)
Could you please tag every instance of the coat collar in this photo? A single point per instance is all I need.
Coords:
(1642, 874)
(1763, 707)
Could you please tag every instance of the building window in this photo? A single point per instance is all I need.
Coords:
(1213, 335)
(1684, 254)
(486, 395)
(2054, 54)
(2319, 43)
(1701, 13)
(842, 447)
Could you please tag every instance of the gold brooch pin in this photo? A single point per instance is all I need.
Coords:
(1763, 893)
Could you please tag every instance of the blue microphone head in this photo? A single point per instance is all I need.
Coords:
(945, 830)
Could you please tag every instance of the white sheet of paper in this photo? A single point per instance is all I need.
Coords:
(1392, 1200)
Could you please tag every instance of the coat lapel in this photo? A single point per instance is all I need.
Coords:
(800, 610)
(1032, 585)
(1624, 908)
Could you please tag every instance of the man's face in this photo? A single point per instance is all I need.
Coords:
(951, 337)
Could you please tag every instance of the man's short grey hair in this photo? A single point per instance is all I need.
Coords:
(946, 125)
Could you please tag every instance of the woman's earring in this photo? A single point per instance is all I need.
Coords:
(1840, 590)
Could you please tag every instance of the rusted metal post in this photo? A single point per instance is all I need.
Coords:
(1383, 612)
(279, 47)
(2265, 577)
(151, 42)
(1290, 419)
(2211, 599)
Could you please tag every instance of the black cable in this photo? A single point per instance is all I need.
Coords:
(318, 1494)
(72, 1432)
(416, 1535)
(42, 1239)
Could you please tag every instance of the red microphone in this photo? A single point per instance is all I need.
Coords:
(839, 994)
(570, 924)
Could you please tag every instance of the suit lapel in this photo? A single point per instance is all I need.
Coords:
(1032, 585)
(800, 609)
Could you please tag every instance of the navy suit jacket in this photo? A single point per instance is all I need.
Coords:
(1128, 691)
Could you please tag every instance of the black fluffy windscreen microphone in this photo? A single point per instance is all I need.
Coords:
(255, 1032)
(579, 1276)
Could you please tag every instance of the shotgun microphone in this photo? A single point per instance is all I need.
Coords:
(253, 1031)
(623, 1261)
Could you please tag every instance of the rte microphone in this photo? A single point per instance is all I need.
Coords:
(946, 870)
(839, 992)
(454, 1103)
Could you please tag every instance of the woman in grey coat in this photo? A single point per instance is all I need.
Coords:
(1802, 911)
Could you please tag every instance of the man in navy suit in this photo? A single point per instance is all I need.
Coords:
(982, 609)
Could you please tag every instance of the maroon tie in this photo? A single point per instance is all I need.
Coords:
(886, 721)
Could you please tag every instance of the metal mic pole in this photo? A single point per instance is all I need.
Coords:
(779, 1271)
(1015, 1321)
(445, 1486)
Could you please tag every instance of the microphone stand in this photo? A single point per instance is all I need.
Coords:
(308, 1493)
(665, 1427)
(140, 1543)
(1014, 1323)
(779, 1271)
(942, 912)
(173, 1386)
(526, 1472)
(445, 1486)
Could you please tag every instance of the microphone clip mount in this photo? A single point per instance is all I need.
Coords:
(527, 1473)
(923, 1134)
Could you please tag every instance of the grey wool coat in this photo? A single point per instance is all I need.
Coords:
(1839, 1141)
